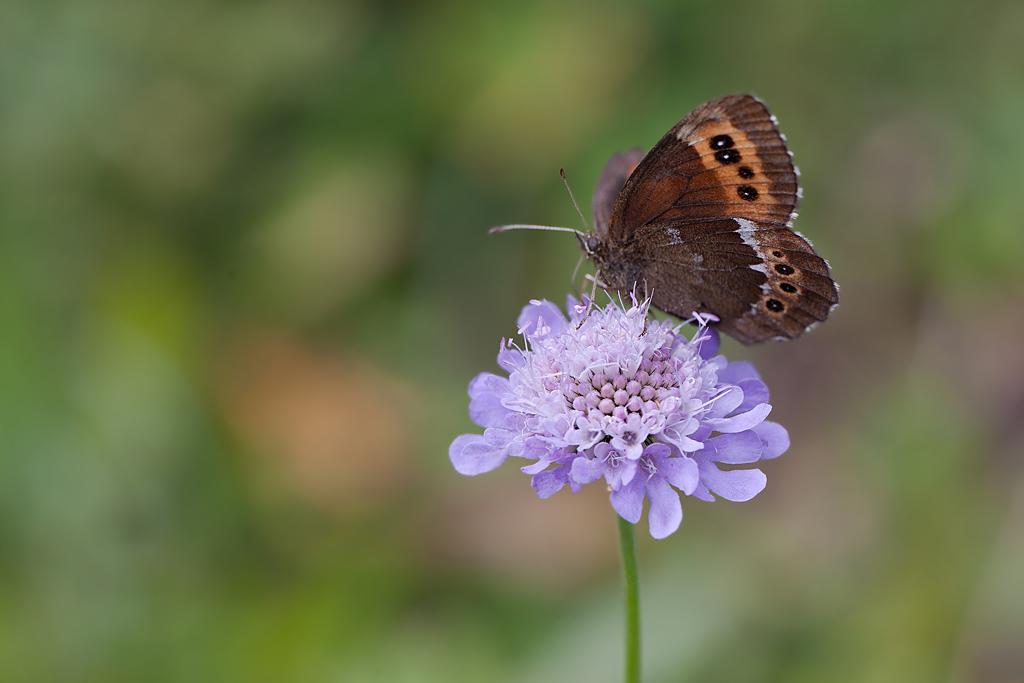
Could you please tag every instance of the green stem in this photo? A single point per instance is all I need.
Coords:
(627, 538)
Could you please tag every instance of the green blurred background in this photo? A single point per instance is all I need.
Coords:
(245, 278)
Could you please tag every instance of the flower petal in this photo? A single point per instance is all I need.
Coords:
(622, 474)
(677, 435)
(741, 422)
(510, 358)
(755, 392)
(734, 449)
(734, 373)
(735, 485)
(550, 482)
(658, 451)
(471, 455)
(538, 449)
(774, 437)
(585, 470)
(536, 467)
(726, 402)
(485, 407)
(666, 512)
(629, 500)
(702, 493)
(682, 473)
(541, 320)
(709, 341)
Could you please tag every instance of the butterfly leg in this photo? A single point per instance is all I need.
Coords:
(590, 304)
(576, 270)
(647, 297)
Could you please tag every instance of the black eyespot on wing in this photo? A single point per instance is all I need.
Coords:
(728, 156)
(788, 288)
(747, 193)
(722, 142)
(777, 254)
(746, 172)
(783, 269)
(774, 305)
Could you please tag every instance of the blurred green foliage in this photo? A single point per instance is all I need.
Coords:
(245, 279)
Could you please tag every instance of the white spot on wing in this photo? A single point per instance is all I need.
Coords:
(746, 231)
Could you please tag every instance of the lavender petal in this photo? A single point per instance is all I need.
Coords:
(485, 407)
(682, 473)
(471, 455)
(735, 485)
(550, 482)
(585, 470)
(734, 449)
(741, 422)
(774, 437)
(734, 373)
(666, 512)
(629, 500)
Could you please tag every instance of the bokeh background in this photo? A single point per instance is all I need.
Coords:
(245, 278)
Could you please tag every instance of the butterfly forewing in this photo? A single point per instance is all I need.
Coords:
(725, 159)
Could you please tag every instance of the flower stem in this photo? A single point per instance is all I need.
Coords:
(627, 539)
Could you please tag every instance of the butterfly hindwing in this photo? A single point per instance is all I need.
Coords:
(762, 281)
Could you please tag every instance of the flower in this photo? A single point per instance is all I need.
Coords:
(610, 394)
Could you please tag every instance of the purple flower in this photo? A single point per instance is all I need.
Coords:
(626, 399)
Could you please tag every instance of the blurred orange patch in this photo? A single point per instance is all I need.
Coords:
(332, 429)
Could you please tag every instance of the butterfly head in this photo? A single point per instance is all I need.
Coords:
(591, 244)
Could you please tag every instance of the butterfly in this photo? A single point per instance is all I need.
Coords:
(703, 222)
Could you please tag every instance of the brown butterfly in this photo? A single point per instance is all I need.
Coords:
(704, 223)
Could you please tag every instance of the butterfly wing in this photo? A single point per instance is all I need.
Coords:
(704, 221)
(609, 187)
(725, 159)
(763, 282)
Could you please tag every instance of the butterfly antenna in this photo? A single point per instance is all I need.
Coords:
(586, 228)
(554, 228)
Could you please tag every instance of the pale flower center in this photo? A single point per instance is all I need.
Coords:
(617, 392)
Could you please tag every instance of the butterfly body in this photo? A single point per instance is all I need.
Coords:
(703, 223)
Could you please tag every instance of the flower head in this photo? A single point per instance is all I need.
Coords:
(610, 394)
